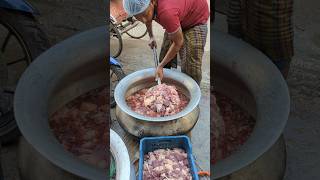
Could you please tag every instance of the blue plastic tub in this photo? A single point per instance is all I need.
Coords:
(149, 144)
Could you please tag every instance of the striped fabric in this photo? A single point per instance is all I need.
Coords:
(191, 52)
(266, 24)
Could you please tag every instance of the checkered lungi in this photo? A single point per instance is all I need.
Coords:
(191, 52)
(266, 24)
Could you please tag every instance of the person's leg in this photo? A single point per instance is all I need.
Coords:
(267, 25)
(192, 51)
(284, 66)
(234, 18)
(270, 29)
(166, 43)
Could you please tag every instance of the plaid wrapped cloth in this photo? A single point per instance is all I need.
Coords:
(267, 25)
(191, 52)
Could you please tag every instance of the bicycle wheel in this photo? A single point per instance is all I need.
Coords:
(116, 74)
(115, 41)
(137, 32)
(22, 40)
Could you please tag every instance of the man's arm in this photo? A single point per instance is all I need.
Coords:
(177, 42)
(152, 42)
(149, 29)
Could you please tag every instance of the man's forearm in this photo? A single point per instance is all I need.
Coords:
(149, 29)
(171, 53)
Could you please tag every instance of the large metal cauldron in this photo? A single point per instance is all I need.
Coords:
(139, 125)
(65, 71)
(249, 78)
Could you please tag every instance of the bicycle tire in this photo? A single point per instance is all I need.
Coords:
(118, 36)
(136, 37)
(120, 75)
(131, 34)
(29, 32)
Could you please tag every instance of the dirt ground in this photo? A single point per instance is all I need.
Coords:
(303, 128)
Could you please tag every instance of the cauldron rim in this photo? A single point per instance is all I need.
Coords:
(34, 90)
(269, 90)
(190, 84)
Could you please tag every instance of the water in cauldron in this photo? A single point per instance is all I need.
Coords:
(81, 127)
(232, 130)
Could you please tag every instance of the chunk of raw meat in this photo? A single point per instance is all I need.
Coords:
(232, 126)
(81, 127)
(157, 101)
(166, 164)
(162, 98)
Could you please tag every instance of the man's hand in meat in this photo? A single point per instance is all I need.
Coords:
(159, 72)
(152, 43)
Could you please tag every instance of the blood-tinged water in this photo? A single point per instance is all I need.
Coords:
(170, 100)
(233, 132)
(81, 127)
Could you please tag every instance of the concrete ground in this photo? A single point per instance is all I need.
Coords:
(302, 132)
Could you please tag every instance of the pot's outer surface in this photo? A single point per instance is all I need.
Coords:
(41, 168)
(237, 61)
(269, 166)
(141, 126)
(65, 71)
(142, 129)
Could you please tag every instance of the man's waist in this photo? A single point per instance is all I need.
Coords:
(192, 26)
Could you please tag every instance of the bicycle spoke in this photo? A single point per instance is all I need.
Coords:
(16, 61)
(5, 43)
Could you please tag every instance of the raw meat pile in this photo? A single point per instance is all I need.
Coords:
(166, 164)
(232, 131)
(217, 128)
(81, 127)
(160, 100)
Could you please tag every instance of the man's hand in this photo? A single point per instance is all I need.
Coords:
(159, 72)
(152, 43)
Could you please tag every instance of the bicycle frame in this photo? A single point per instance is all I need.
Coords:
(114, 61)
(128, 25)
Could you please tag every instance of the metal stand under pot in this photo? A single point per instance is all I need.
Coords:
(250, 79)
